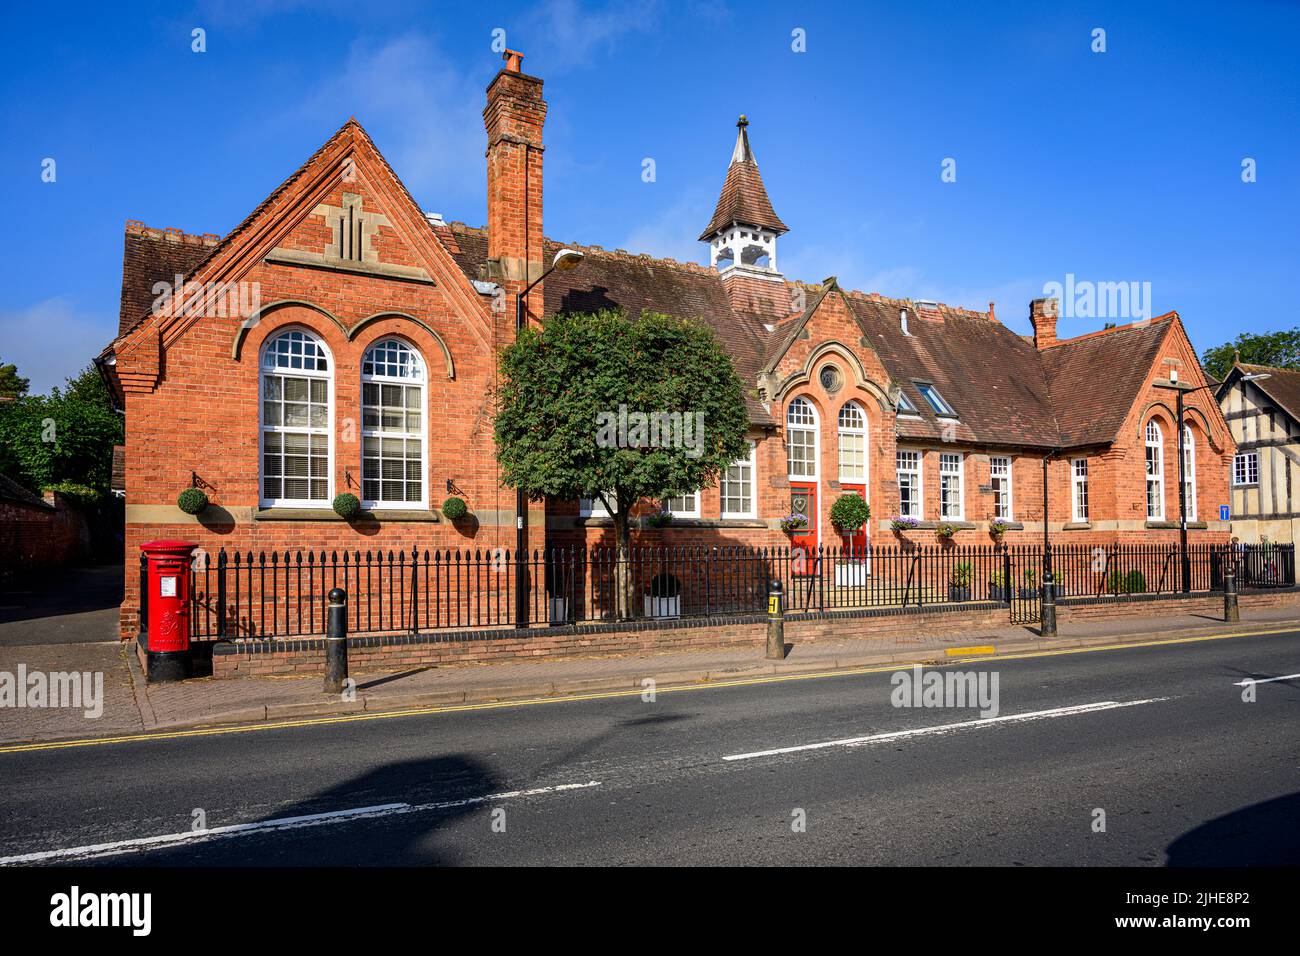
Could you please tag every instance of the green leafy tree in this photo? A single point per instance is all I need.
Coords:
(66, 436)
(12, 385)
(569, 403)
(1278, 349)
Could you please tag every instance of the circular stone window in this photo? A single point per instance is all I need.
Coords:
(831, 378)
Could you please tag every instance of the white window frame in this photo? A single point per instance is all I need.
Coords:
(937, 402)
(420, 382)
(1154, 464)
(947, 458)
(752, 463)
(994, 477)
(592, 508)
(1189, 472)
(917, 483)
(852, 431)
(812, 428)
(692, 512)
(263, 428)
(1079, 489)
(904, 405)
(1245, 465)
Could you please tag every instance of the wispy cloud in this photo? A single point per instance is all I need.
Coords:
(52, 340)
(566, 35)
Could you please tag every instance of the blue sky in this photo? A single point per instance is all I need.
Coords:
(1115, 166)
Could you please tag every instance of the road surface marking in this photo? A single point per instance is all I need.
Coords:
(961, 651)
(603, 695)
(267, 826)
(944, 728)
(1263, 680)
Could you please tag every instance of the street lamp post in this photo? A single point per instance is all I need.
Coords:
(565, 261)
(1185, 563)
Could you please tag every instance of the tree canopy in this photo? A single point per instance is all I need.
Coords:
(12, 385)
(66, 436)
(618, 409)
(1278, 349)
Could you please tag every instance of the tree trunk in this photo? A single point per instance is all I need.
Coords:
(622, 565)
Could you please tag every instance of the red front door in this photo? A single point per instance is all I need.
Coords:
(803, 501)
(856, 543)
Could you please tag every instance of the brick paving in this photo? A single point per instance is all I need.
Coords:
(120, 714)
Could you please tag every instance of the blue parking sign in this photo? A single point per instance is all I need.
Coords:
(1223, 513)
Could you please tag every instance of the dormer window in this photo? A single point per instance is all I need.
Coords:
(935, 400)
(904, 405)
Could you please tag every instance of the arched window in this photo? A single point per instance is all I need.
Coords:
(1189, 472)
(1155, 459)
(296, 415)
(801, 439)
(392, 426)
(853, 444)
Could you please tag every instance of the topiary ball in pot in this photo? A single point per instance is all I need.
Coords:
(347, 505)
(454, 509)
(191, 501)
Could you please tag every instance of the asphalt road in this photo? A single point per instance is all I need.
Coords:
(1187, 773)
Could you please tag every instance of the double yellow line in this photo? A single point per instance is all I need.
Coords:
(983, 651)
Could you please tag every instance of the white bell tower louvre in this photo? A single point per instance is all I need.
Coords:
(743, 231)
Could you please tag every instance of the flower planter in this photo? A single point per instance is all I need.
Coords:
(999, 593)
(850, 575)
(956, 593)
(663, 606)
(1027, 594)
(559, 610)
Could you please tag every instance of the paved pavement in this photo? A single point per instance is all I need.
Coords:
(68, 606)
(1155, 742)
(131, 705)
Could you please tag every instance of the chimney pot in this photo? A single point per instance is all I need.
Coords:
(514, 59)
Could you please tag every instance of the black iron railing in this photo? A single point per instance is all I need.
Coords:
(282, 594)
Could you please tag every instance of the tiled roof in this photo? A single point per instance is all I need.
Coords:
(10, 490)
(1095, 378)
(744, 198)
(989, 375)
(1282, 385)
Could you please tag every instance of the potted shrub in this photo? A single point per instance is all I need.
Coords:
(849, 514)
(192, 501)
(455, 509)
(998, 590)
(792, 523)
(959, 579)
(1058, 583)
(998, 529)
(660, 518)
(1030, 586)
(903, 523)
(945, 530)
(347, 505)
(664, 598)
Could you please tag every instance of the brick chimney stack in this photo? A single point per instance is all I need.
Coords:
(1042, 316)
(514, 116)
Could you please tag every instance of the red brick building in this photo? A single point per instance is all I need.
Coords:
(365, 358)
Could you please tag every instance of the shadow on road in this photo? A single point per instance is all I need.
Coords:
(402, 839)
(1264, 834)
(69, 605)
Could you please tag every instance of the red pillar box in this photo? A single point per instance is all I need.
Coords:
(167, 600)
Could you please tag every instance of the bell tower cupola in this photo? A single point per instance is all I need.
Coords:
(743, 231)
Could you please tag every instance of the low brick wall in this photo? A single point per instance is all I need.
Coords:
(262, 658)
(35, 537)
(945, 623)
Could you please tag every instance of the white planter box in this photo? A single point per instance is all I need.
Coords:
(850, 575)
(663, 606)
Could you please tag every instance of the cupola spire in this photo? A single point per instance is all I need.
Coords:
(742, 233)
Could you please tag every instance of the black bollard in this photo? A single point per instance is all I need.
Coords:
(1047, 610)
(1231, 612)
(775, 623)
(336, 641)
